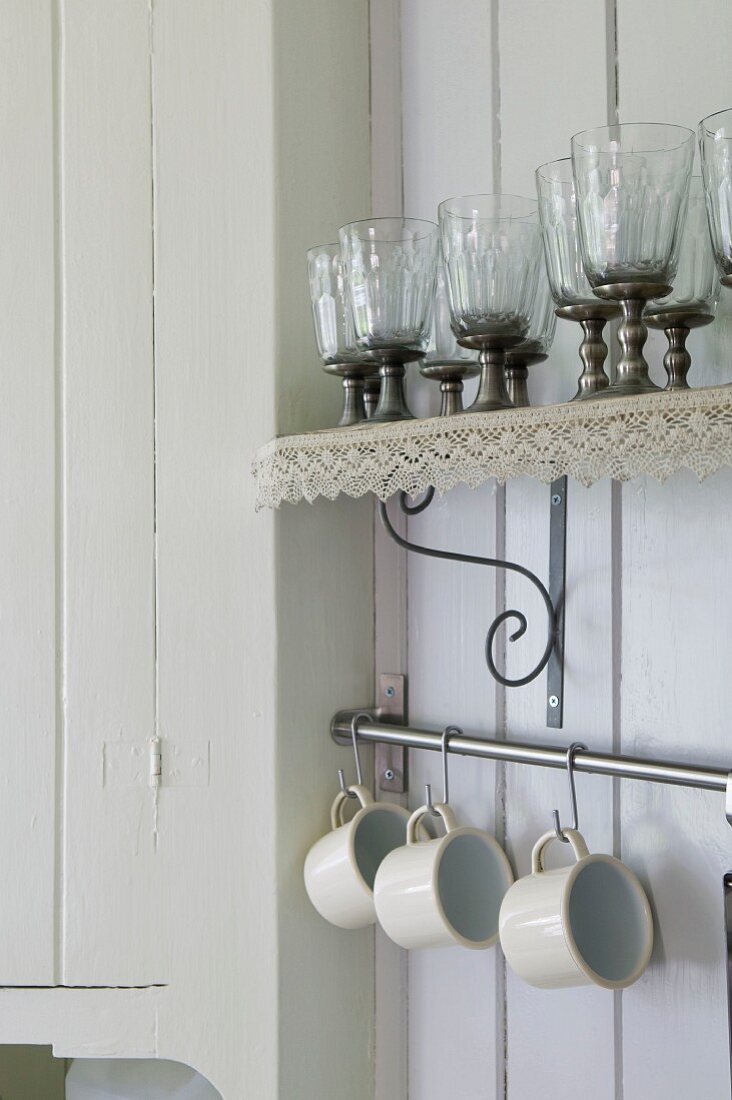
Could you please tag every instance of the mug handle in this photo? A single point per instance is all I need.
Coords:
(440, 808)
(339, 803)
(576, 839)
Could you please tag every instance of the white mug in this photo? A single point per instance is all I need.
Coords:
(433, 893)
(340, 867)
(587, 923)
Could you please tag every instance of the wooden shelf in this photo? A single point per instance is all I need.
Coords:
(656, 434)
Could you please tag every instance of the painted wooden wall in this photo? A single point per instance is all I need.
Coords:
(486, 91)
(165, 164)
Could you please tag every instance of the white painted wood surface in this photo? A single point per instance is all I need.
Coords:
(647, 630)
(107, 523)
(153, 341)
(28, 495)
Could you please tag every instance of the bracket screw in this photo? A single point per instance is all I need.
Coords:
(553, 701)
(556, 499)
(390, 692)
(389, 775)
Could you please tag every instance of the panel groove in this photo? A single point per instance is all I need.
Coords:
(60, 495)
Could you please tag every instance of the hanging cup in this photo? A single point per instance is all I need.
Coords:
(340, 867)
(589, 923)
(434, 893)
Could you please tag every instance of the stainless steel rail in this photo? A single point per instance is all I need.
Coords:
(626, 767)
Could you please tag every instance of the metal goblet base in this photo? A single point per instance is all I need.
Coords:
(516, 372)
(677, 323)
(492, 392)
(391, 363)
(632, 376)
(450, 373)
(592, 316)
(354, 377)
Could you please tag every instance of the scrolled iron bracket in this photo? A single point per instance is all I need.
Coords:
(493, 563)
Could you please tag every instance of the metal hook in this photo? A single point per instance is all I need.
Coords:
(573, 749)
(354, 740)
(446, 735)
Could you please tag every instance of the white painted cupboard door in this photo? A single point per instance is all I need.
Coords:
(28, 687)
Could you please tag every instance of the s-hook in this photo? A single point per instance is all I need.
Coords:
(494, 563)
(354, 741)
(572, 751)
(446, 735)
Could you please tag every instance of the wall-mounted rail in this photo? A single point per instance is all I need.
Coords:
(677, 773)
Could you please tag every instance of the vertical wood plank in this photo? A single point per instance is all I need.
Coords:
(451, 606)
(265, 621)
(391, 979)
(27, 462)
(541, 72)
(110, 908)
(676, 641)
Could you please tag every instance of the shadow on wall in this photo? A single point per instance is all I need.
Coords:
(134, 1079)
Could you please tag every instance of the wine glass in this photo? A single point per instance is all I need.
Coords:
(632, 185)
(446, 362)
(715, 147)
(334, 330)
(535, 347)
(390, 266)
(491, 246)
(693, 300)
(570, 287)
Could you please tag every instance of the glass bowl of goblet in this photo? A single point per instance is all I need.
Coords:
(491, 245)
(570, 287)
(534, 348)
(334, 334)
(446, 362)
(390, 267)
(632, 185)
(693, 300)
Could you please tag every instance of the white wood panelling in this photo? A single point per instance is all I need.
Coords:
(391, 979)
(536, 128)
(27, 461)
(108, 498)
(676, 642)
(447, 84)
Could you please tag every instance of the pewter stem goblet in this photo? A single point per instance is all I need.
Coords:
(491, 245)
(715, 146)
(569, 285)
(632, 183)
(390, 266)
(446, 362)
(535, 348)
(334, 330)
(693, 300)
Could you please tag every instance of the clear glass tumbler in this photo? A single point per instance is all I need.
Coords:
(390, 267)
(491, 246)
(334, 333)
(715, 146)
(695, 294)
(632, 185)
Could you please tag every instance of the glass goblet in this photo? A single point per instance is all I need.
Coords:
(334, 330)
(535, 347)
(570, 287)
(632, 184)
(491, 245)
(715, 147)
(693, 300)
(390, 266)
(446, 362)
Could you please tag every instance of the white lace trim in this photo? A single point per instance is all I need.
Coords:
(656, 434)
